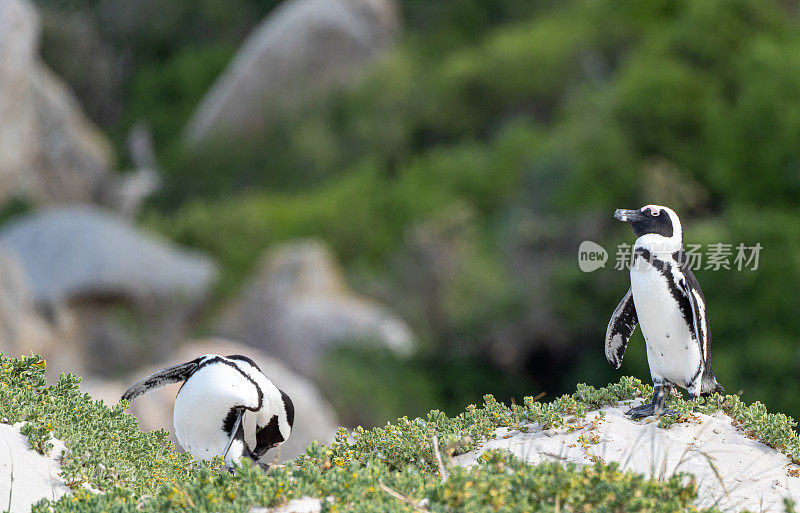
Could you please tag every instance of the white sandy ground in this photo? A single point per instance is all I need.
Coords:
(302, 505)
(731, 470)
(751, 476)
(34, 476)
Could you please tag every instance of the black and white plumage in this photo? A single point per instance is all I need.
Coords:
(226, 407)
(666, 300)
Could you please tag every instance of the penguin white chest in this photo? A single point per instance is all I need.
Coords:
(201, 408)
(672, 353)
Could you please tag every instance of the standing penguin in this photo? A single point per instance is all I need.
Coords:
(226, 407)
(665, 298)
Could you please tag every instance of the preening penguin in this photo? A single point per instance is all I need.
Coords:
(226, 407)
(666, 300)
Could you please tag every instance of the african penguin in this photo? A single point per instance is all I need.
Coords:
(666, 300)
(226, 407)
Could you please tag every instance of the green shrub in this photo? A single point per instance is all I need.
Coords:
(105, 447)
(139, 472)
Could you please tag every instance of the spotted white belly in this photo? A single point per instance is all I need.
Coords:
(671, 352)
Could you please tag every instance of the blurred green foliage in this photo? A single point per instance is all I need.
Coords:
(131, 60)
(530, 122)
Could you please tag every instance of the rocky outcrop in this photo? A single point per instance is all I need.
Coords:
(22, 329)
(129, 297)
(79, 252)
(314, 420)
(49, 151)
(300, 51)
(298, 306)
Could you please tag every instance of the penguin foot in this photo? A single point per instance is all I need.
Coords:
(649, 410)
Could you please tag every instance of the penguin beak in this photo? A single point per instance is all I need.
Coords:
(627, 216)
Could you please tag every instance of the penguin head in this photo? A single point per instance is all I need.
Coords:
(653, 222)
(279, 427)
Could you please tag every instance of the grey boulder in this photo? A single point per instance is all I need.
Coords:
(22, 329)
(49, 151)
(116, 296)
(298, 306)
(77, 252)
(302, 50)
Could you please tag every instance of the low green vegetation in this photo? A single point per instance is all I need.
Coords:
(106, 449)
(389, 468)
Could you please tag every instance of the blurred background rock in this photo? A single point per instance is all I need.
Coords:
(386, 197)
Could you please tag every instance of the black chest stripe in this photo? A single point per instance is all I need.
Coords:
(230, 420)
(679, 292)
(683, 302)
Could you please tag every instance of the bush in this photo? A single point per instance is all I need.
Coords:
(139, 472)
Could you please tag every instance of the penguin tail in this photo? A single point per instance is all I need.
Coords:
(158, 379)
(709, 383)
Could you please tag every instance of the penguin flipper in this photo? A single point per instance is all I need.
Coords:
(158, 379)
(620, 328)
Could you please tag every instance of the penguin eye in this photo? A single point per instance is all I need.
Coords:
(655, 213)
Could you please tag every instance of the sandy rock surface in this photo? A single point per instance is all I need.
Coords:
(751, 475)
(83, 251)
(35, 477)
(116, 296)
(301, 505)
(303, 49)
(22, 328)
(49, 151)
(298, 305)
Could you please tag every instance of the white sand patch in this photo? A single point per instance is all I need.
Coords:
(302, 505)
(35, 477)
(751, 475)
